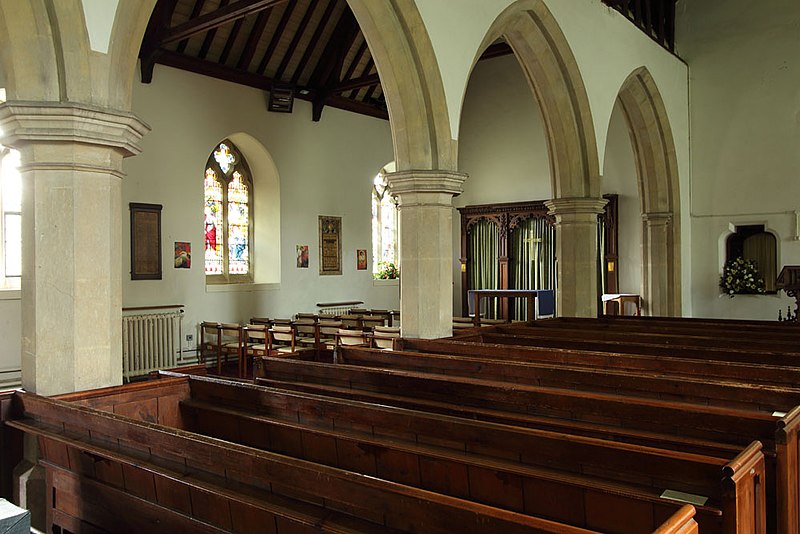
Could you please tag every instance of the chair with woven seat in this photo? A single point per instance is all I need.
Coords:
(282, 342)
(254, 343)
(346, 337)
(306, 332)
(210, 339)
(231, 345)
(385, 337)
(327, 335)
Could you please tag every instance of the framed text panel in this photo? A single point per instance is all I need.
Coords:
(145, 241)
(330, 245)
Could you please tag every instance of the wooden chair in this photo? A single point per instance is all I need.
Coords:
(359, 311)
(370, 322)
(463, 323)
(255, 343)
(385, 337)
(384, 314)
(346, 337)
(616, 305)
(210, 339)
(283, 342)
(231, 344)
(307, 332)
(394, 318)
(351, 321)
(327, 334)
(259, 320)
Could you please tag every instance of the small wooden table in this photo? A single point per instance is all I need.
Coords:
(621, 299)
(530, 294)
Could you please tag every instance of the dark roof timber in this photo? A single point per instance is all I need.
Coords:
(312, 46)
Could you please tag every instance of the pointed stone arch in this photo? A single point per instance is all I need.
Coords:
(411, 81)
(657, 176)
(557, 85)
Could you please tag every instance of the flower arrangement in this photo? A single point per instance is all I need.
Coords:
(740, 276)
(387, 271)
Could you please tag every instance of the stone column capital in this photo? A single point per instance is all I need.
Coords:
(575, 206)
(23, 123)
(657, 218)
(426, 181)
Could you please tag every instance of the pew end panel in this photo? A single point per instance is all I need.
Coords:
(788, 472)
(681, 522)
(744, 497)
(11, 448)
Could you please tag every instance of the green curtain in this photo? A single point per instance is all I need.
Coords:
(483, 264)
(532, 262)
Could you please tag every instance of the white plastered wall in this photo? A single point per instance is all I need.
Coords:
(607, 49)
(325, 168)
(619, 176)
(745, 129)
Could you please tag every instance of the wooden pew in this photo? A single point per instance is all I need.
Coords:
(695, 389)
(611, 416)
(731, 327)
(562, 340)
(593, 501)
(665, 363)
(132, 476)
(312, 426)
(114, 473)
(690, 339)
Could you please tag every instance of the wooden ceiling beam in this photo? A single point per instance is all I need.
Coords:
(257, 81)
(252, 40)
(366, 70)
(326, 74)
(496, 50)
(357, 83)
(156, 28)
(224, 15)
(312, 44)
(209, 38)
(237, 27)
(301, 29)
(276, 37)
(196, 10)
(356, 60)
(357, 107)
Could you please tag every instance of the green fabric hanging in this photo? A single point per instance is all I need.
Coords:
(532, 262)
(483, 264)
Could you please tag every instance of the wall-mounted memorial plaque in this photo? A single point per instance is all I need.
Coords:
(330, 245)
(145, 241)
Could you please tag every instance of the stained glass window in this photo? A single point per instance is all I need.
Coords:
(227, 216)
(384, 224)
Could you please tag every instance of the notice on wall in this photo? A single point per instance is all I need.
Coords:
(330, 245)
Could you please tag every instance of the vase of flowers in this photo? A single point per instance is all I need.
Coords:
(740, 276)
(387, 271)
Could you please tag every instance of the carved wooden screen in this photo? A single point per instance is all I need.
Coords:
(506, 217)
(514, 217)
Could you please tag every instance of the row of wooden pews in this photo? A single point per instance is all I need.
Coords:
(204, 455)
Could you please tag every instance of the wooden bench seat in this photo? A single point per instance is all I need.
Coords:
(695, 389)
(692, 339)
(496, 482)
(664, 363)
(499, 336)
(562, 410)
(194, 483)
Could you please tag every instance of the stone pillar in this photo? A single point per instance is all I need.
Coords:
(426, 249)
(657, 276)
(71, 240)
(576, 253)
